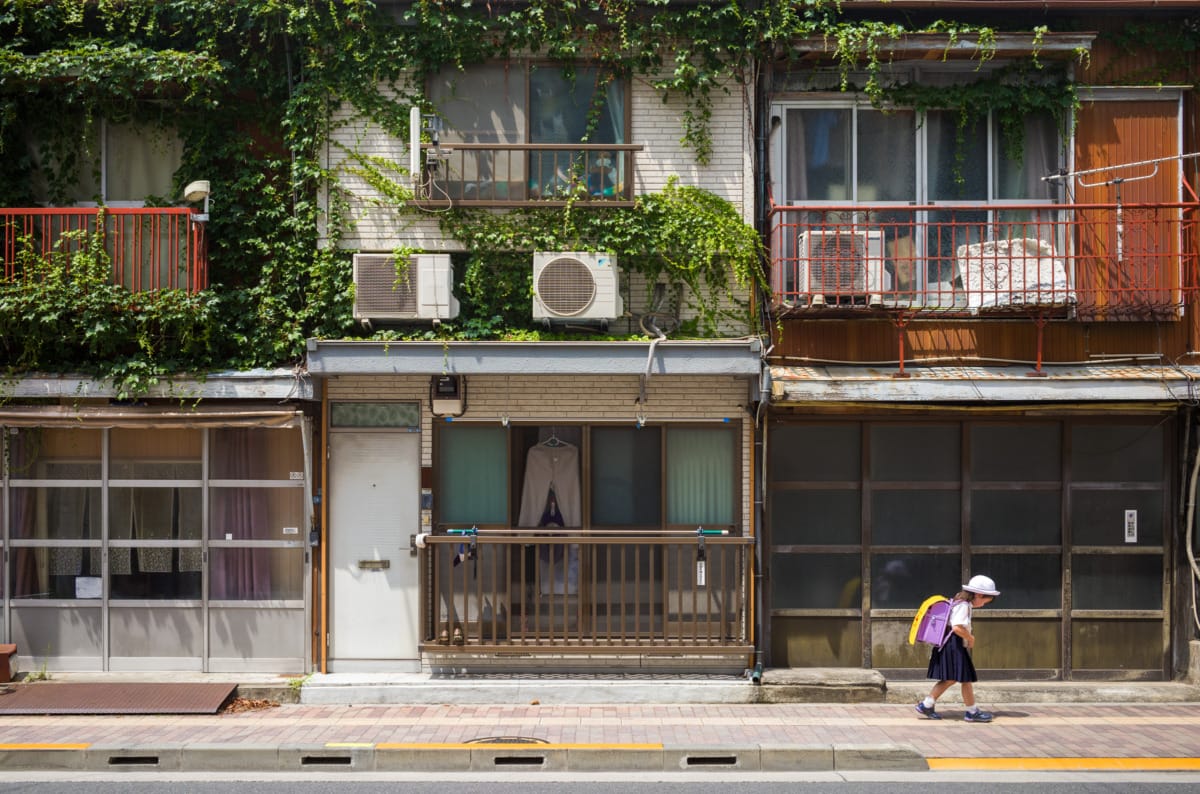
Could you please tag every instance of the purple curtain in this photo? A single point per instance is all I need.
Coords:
(25, 575)
(238, 574)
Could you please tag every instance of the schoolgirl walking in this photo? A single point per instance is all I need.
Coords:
(950, 663)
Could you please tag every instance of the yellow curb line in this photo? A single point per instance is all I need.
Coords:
(45, 746)
(511, 746)
(1072, 764)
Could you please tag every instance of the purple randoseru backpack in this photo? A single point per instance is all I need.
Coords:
(932, 622)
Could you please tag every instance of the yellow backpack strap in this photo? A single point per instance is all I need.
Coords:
(916, 623)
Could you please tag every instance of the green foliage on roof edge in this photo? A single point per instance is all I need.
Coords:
(250, 85)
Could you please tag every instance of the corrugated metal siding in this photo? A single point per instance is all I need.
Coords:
(1113, 65)
(1111, 133)
(876, 340)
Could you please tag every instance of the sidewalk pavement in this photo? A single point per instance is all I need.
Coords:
(615, 737)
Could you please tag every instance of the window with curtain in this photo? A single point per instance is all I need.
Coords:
(119, 165)
(832, 154)
(701, 476)
(626, 477)
(532, 103)
(634, 478)
(472, 466)
(843, 152)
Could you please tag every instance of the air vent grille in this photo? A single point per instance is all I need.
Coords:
(837, 263)
(566, 286)
(381, 291)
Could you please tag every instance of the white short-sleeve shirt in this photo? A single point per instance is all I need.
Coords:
(960, 614)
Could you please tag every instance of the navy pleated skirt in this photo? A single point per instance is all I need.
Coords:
(951, 662)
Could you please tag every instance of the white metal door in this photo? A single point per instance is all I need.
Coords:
(374, 493)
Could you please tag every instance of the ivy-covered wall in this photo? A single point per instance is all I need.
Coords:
(252, 87)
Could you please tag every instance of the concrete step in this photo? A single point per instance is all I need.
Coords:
(992, 692)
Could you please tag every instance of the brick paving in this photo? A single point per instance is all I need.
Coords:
(1035, 730)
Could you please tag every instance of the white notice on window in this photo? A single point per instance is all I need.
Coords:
(1131, 526)
(87, 586)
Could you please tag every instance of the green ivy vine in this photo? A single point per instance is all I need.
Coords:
(251, 87)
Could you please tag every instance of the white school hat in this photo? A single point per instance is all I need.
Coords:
(981, 584)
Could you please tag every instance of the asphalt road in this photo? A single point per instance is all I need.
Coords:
(673, 783)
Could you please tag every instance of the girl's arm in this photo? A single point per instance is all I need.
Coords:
(967, 637)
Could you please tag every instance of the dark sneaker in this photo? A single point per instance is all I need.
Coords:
(978, 716)
(929, 713)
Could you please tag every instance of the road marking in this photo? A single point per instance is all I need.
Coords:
(45, 746)
(1065, 764)
(511, 746)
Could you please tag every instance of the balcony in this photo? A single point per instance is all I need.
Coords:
(1078, 261)
(556, 591)
(523, 175)
(149, 248)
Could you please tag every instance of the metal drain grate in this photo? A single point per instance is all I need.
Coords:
(506, 740)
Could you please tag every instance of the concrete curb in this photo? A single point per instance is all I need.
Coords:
(467, 758)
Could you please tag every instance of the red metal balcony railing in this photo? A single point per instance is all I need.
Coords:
(1086, 261)
(527, 174)
(149, 248)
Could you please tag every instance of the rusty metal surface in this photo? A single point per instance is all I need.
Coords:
(49, 697)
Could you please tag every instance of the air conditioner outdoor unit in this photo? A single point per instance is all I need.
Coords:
(575, 286)
(422, 291)
(841, 267)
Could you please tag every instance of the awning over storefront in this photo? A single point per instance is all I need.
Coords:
(796, 385)
(256, 384)
(146, 417)
(737, 357)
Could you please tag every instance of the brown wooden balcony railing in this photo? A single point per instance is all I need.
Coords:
(566, 591)
(1083, 261)
(523, 174)
(150, 248)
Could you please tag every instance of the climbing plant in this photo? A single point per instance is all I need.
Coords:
(254, 87)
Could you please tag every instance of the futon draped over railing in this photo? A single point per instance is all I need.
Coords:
(1083, 261)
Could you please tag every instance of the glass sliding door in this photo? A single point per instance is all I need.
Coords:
(118, 561)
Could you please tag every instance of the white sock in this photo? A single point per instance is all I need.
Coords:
(928, 702)
(972, 709)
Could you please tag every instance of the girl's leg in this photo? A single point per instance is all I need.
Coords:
(940, 688)
(968, 694)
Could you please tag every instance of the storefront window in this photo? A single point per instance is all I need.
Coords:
(1112, 581)
(700, 476)
(472, 475)
(1031, 581)
(626, 477)
(816, 517)
(262, 574)
(1013, 517)
(816, 581)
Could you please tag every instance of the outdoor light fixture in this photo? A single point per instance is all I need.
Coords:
(197, 191)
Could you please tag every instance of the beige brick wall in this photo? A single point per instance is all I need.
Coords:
(577, 399)
(658, 127)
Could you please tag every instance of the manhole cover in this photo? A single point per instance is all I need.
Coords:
(507, 740)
